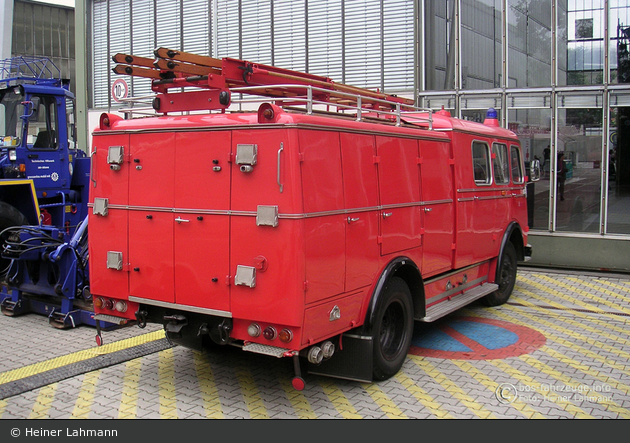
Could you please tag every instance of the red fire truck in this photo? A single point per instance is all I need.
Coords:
(317, 221)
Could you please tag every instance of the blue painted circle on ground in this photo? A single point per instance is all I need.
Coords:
(476, 338)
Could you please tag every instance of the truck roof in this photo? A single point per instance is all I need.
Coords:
(442, 121)
(284, 118)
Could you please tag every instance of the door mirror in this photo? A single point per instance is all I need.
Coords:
(534, 171)
(33, 112)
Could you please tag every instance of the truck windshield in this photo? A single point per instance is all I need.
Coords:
(10, 123)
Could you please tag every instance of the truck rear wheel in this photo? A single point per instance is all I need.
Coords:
(9, 216)
(506, 278)
(392, 329)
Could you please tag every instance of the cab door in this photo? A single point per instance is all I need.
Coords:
(47, 164)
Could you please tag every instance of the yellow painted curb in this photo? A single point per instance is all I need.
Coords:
(64, 360)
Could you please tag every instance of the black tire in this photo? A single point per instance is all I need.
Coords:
(392, 329)
(9, 216)
(506, 278)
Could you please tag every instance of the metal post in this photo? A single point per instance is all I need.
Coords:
(603, 212)
(309, 99)
(419, 77)
(6, 23)
(554, 118)
(81, 81)
(504, 63)
(458, 57)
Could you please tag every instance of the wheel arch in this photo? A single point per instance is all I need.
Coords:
(513, 234)
(406, 269)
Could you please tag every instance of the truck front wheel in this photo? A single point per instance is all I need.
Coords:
(9, 216)
(506, 278)
(392, 329)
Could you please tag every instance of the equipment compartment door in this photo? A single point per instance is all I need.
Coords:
(151, 174)
(325, 234)
(151, 190)
(269, 253)
(399, 188)
(360, 184)
(201, 221)
(151, 255)
(108, 230)
(439, 215)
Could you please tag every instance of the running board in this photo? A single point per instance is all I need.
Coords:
(439, 310)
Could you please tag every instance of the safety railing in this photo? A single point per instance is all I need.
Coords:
(248, 98)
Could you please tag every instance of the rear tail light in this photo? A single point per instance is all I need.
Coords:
(254, 330)
(121, 306)
(270, 333)
(109, 304)
(118, 308)
(285, 335)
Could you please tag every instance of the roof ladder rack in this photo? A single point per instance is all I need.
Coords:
(174, 73)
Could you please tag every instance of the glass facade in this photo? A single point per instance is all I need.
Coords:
(556, 71)
(42, 30)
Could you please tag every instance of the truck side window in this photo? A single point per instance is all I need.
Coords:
(481, 163)
(10, 110)
(500, 164)
(71, 128)
(42, 126)
(515, 159)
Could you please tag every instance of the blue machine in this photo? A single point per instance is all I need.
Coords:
(44, 186)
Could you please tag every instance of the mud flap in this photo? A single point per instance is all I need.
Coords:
(352, 361)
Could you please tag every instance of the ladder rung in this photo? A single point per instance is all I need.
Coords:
(186, 68)
(188, 57)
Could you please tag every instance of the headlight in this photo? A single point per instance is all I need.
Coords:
(12, 155)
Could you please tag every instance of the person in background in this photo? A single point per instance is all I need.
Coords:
(546, 156)
(562, 175)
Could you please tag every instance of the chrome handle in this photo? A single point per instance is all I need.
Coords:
(428, 209)
(387, 214)
(278, 177)
(92, 167)
(181, 220)
(352, 219)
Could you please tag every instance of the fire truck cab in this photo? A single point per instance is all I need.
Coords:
(299, 232)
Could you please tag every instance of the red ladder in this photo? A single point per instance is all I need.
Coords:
(215, 79)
